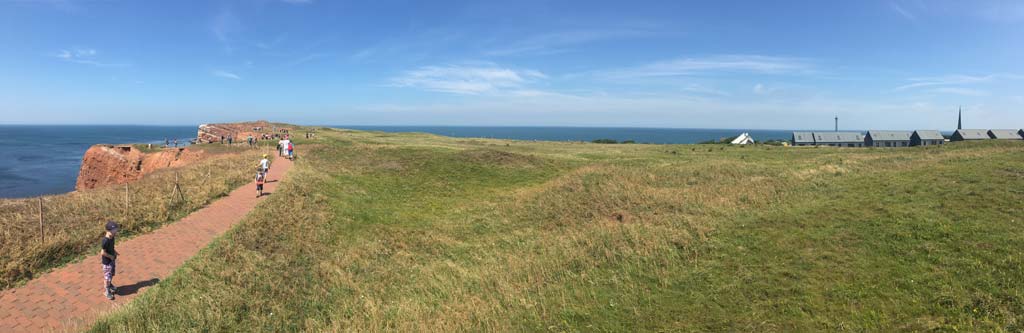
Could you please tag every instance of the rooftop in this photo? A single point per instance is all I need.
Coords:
(890, 135)
(929, 135)
(838, 137)
(973, 134)
(1005, 134)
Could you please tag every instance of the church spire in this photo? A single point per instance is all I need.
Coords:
(960, 119)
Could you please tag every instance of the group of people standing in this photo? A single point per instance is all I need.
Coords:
(285, 148)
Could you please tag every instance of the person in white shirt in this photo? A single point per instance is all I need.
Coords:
(264, 165)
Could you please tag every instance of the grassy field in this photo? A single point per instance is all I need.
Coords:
(73, 222)
(414, 232)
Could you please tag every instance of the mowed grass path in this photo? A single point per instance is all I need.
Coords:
(415, 232)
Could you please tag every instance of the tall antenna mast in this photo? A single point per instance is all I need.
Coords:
(837, 123)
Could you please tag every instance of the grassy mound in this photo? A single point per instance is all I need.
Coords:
(414, 232)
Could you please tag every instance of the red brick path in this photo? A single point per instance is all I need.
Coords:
(71, 297)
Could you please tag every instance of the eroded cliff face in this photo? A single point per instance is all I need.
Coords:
(105, 165)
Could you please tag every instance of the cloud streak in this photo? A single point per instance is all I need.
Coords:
(467, 80)
(954, 80)
(226, 75)
(748, 64)
(558, 42)
(223, 26)
(85, 56)
(902, 12)
(961, 91)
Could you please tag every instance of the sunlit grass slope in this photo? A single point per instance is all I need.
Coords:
(415, 232)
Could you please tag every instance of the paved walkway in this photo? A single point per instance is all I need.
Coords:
(71, 297)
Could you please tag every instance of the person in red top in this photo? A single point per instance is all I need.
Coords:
(260, 179)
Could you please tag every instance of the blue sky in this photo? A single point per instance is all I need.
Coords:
(897, 64)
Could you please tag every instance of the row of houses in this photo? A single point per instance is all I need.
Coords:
(898, 138)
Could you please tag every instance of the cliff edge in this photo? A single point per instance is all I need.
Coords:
(104, 165)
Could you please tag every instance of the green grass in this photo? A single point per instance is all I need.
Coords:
(415, 232)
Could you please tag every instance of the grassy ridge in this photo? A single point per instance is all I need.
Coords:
(74, 221)
(416, 232)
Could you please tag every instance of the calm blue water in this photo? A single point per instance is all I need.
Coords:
(640, 135)
(43, 159)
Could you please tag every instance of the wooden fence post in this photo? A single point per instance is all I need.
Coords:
(42, 236)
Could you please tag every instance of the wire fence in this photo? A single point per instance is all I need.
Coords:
(43, 232)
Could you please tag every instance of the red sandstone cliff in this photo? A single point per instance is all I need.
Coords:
(105, 165)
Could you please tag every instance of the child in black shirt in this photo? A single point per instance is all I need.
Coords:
(109, 259)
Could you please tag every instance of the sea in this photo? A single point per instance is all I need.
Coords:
(44, 159)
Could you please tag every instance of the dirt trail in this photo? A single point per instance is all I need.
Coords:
(71, 297)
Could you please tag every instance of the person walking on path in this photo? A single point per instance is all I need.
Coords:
(260, 179)
(108, 257)
(264, 165)
(291, 151)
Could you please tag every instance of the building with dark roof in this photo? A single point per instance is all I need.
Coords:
(888, 138)
(927, 138)
(1005, 134)
(838, 139)
(803, 139)
(969, 134)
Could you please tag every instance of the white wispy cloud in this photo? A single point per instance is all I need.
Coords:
(954, 80)
(557, 42)
(467, 79)
(923, 82)
(85, 56)
(753, 64)
(363, 54)
(961, 91)
(704, 90)
(223, 26)
(307, 58)
(226, 75)
(761, 89)
(271, 44)
(901, 11)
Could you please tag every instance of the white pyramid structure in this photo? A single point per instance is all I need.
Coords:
(743, 139)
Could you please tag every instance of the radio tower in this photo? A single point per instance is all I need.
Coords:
(837, 123)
